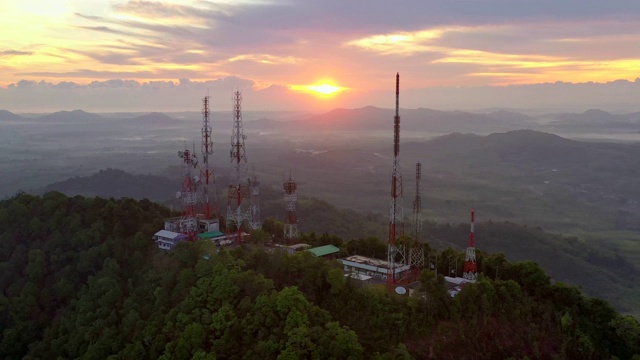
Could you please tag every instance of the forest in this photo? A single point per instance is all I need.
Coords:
(81, 278)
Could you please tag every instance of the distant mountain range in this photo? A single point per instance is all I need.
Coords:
(373, 118)
(154, 118)
(73, 116)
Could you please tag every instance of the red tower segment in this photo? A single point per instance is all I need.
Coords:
(188, 195)
(291, 219)
(470, 265)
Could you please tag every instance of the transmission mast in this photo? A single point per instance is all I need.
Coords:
(396, 254)
(417, 206)
(188, 194)
(238, 180)
(470, 265)
(206, 172)
(416, 251)
(254, 203)
(291, 219)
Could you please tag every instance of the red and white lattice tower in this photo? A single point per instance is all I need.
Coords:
(188, 194)
(237, 212)
(396, 253)
(207, 175)
(470, 265)
(254, 203)
(416, 253)
(291, 219)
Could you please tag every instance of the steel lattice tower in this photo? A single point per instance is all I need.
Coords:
(188, 194)
(416, 253)
(291, 219)
(206, 172)
(238, 179)
(470, 265)
(254, 203)
(396, 253)
(417, 206)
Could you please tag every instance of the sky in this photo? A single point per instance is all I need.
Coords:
(104, 55)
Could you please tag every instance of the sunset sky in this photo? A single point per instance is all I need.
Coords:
(123, 55)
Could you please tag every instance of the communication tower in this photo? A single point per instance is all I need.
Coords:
(470, 265)
(291, 219)
(188, 194)
(206, 171)
(254, 203)
(417, 206)
(416, 253)
(396, 251)
(238, 179)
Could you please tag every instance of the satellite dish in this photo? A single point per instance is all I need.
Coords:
(178, 195)
(400, 290)
(180, 154)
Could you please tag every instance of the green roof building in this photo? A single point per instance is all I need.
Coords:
(211, 235)
(324, 251)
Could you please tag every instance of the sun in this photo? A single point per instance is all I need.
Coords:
(323, 89)
(326, 89)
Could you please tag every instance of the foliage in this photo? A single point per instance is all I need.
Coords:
(82, 279)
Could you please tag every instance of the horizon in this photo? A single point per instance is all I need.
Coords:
(529, 112)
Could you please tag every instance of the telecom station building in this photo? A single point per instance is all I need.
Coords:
(359, 267)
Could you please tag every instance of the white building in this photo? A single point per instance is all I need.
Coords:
(375, 268)
(166, 240)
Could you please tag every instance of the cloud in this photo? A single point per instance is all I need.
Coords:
(14, 53)
(105, 29)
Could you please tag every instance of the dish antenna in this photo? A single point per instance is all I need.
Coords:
(400, 290)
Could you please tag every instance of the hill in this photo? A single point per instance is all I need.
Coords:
(71, 116)
(116, 183)
(599, 269)
(82, 279)
(8, 115)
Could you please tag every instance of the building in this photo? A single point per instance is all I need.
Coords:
(327, 251)
(166, 240)
(376, 268)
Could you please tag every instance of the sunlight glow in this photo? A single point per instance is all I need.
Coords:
(322, 90)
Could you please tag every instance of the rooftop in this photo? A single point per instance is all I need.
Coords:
(324, 250)
(367, 260)
(169, 234)
(210, 234)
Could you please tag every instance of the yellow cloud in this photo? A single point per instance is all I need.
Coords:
(401, 43)
(265, 59)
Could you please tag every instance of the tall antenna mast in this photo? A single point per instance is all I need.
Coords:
(396, 254)
(207, 175)
(470, 265)
(238, 180)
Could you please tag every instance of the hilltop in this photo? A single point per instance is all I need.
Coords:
(98, 287)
